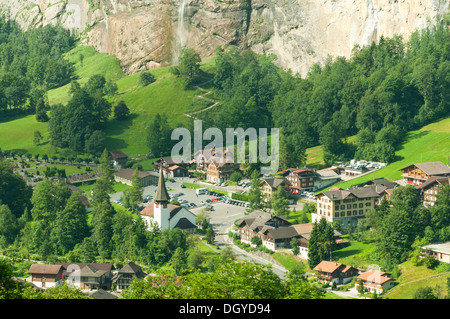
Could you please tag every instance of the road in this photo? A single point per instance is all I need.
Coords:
(222, 218)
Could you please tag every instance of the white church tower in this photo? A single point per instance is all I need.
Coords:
(161, 204)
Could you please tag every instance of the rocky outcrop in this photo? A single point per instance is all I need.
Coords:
(145, 34)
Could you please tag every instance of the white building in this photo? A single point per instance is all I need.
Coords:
(440, 251)
(167, 216)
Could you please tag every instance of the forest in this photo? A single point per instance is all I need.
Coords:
(31, 63)
(383, 91)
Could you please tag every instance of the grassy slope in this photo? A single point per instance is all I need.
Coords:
(164, 95)
(430, 143)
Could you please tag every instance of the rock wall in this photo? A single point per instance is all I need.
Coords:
(145, 34)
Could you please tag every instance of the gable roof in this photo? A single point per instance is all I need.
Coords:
(107, 267)
(443, 180)
(283, 232)
(258, 219)
(128, 173)
(374, 276)
(118, 155)
(431, 168)
(274, 182)
(382, 182)
(185, 223)
(45, 269)
(130, 268)
(328, 266)
(359, 192)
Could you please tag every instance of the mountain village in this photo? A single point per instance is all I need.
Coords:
(255, 227)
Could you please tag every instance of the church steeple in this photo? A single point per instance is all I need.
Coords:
(161, 197)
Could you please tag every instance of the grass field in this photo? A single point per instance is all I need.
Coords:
(412, 277)
(164, 95)
(430, 143)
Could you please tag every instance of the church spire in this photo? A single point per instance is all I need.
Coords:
(161, 197)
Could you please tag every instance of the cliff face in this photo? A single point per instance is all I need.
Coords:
(145, 34)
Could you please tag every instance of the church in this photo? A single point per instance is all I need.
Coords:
(167, 216)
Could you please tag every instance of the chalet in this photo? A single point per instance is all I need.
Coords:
(172, 167)
(203, 158)
(326, 177)
(383, 187)
(375, 281)
(219, 171)
(417, 174)
(346, 205)
(118, 158)
(330, 271)
(431, 188)
(441, 251)
(300, 179)
(276, 232)
(122, 279)
(165, 215)
(279, 238)
(270, 185)
(257, 223)
(304, 231)
(46, 276)
(125, 176)
(88, 275)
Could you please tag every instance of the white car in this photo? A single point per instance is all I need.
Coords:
(202, 203)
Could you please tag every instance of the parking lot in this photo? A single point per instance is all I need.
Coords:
(188, 197)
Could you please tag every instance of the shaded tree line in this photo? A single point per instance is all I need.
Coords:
(32, 62)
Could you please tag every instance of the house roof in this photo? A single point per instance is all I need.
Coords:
(45, 269)
(274, 182)
(149, 209)
(130, 268)
(374, 276)
(108, 267)
(443, 180)
(327, 266)
(258, 219)
(359, 192)
(185, 223)
(439, 247)
(431, 168)
(283, 232)
(382, 182)
(127, 173)
(89, 271)
(118, 155)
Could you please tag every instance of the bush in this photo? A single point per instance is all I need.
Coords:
(146, 78)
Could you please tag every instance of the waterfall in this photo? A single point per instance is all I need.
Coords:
(181, 32)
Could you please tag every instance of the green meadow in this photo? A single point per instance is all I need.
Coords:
(166, 95)
(430, 143)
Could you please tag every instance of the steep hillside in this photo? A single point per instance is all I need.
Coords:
(165, 95)
(430, 143)
(147, 34)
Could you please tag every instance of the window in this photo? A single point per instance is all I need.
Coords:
(355, 212)
(361, 205)
(337, 207)
(355, 205)
(361, 212)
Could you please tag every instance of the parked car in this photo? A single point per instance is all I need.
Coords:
(202, 202)
(182, 186)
